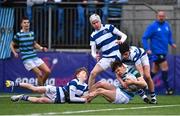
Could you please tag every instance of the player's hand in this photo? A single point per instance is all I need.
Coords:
(44, 49)
(119, 42)
(98, 57)
(174, 45)
(16, 55)
(129, 81)
(148, 52)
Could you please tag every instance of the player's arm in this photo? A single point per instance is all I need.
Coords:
(146, 37)
(140, 82)
(124, 84)
(73, 98)
(13, 49)
(95, 54)
(122, 36)
(170, 38)
(37, 46)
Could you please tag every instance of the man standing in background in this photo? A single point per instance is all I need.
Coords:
(160, 35)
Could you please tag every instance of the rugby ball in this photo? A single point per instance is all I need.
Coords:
(132, 88)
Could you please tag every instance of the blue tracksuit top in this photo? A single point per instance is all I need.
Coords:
(160, 36)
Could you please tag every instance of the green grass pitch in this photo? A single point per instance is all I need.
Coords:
(167, 105)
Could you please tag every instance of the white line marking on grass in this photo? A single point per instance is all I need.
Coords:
(100, 110)
(133, 108)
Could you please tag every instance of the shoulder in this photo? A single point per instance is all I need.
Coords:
(73, 82)
(154, 23)
(167, 23)
(132, 48)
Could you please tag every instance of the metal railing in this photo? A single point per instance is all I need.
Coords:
(66, 25)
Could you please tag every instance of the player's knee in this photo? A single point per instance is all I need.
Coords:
(36, 90)
(39, 74)
(48, 71)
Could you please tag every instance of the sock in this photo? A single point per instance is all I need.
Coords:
(25, 97)
(164, 78)
(153, 95)
(141, 93)
(16, 84)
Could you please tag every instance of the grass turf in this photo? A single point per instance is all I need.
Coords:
(167, 105)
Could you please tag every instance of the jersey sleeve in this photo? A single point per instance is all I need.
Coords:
(16, 38)
(72, 93)
(146, 36)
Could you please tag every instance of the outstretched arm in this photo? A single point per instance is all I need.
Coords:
(37, 46)
(12, 46)
(120, 34)
(72, 95)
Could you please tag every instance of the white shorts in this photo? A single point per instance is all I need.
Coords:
(51, 93)
(105, 63)
(121, 98)
(32, 63)
(144, 60)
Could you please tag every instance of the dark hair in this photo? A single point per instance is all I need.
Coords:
(123, 47)
(24, 18)
(116, 64)
(79, 70)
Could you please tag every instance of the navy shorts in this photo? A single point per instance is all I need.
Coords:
(159, 58)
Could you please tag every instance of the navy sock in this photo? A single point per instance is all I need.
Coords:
(141, 92)
(25, 97)
(153, 94)
(16, 84)
(164, 78)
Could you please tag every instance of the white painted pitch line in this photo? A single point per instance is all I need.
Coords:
(100, 110)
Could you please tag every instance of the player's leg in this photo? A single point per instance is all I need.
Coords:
(96, 70)
(109, 95)
(148, 78)
(39, 76)
(155, 69)
(35, 89)
(31, 65)
(164, 67)
(39, 100)
(141, 92)
(102, 65)
(104, 85)
(44, 68)
(23, 97)
(150, 84)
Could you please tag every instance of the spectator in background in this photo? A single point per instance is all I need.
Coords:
(105, 39)
(87, 8)
(30, 3)
(160, 35)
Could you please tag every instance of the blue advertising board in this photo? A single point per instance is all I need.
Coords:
(64, 64)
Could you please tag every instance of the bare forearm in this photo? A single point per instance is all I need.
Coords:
(37, 46)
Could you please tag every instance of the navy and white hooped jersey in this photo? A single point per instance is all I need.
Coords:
(105, 41)
(25, 42)
(135, 55)
(77, 87)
